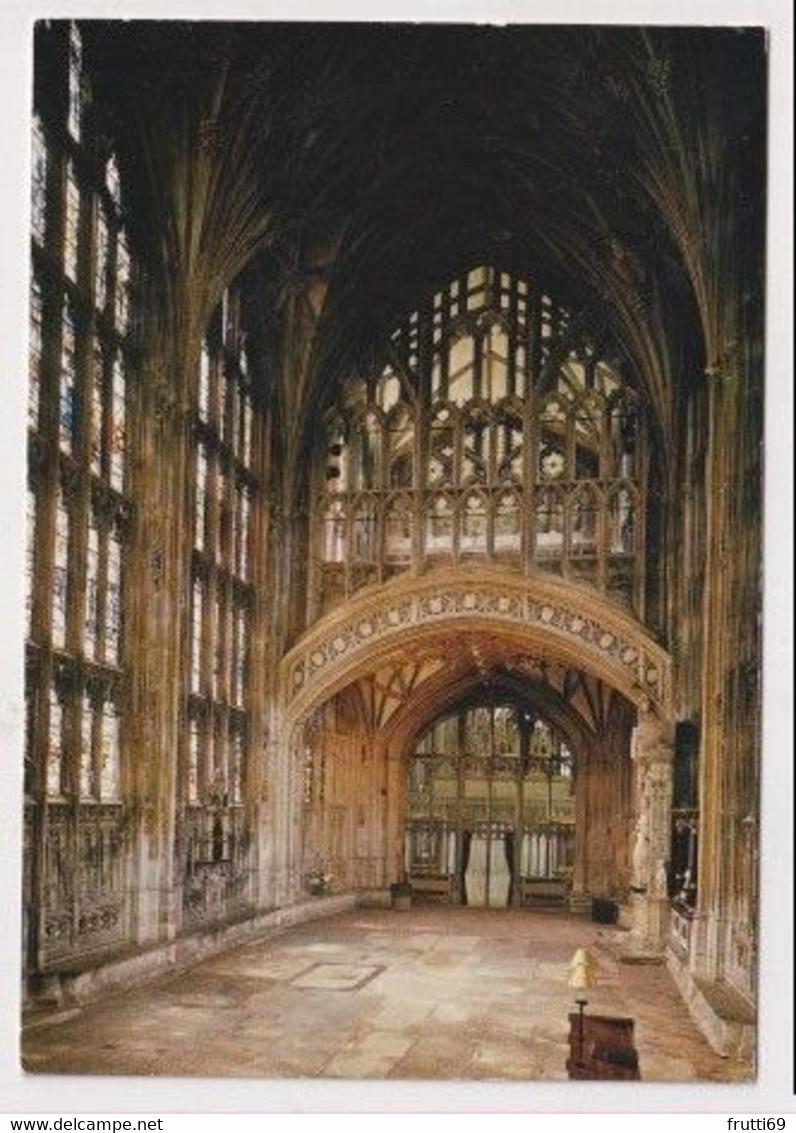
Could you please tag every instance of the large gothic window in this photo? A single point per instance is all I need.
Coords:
(511, 439)
(490, 806)
(216, 746)
(80, 356)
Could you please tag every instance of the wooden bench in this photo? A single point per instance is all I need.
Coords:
(428, 888)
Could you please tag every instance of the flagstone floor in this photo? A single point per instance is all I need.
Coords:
(431, 993)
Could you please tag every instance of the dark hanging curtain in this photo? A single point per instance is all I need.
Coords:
(467, 837)
(508, 850)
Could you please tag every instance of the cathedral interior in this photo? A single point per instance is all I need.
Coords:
(394, 515)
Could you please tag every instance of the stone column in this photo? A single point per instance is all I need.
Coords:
(652, 755)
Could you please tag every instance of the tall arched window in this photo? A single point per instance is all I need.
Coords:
(398, 530)
(216, 747)
(465, 422)
(473, 526)
(490, 806)
(81, 370)
(401, 452)
(439, 529)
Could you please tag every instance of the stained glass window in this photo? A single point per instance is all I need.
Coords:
(122, 297)
(217, 631)
(87, 788)
(101, 262)
(196, 637)
(192, 778)
(112, 182)
(508, 524)
(222, 401)
(200, 504)
(204, 383)
(30, 559)
(38, 182)
(34, 355)
(113, 600)
(109, 753)
(472, 539)
(480, 450)
(60, 572)
(92, 588)
(334, 532)
(237, 755)
(243, 535)
(549, 523)
(241, 646)
(622, 519)
(119, 424)
(71, 224)
(439, 527)
(399, 525)
(66, 419)
(75, 116)
(55, 753)
(246, 454)
(97, 409)
(585, 512)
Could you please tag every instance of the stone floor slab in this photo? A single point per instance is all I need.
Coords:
(435, 993)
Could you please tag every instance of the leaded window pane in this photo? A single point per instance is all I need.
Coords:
(30, 560)
(239, 676)
(200, 498)
(66, 402)
(119, 424)
(113, 610)
(71, 224)
(203, 406)
(109, 753)
(122, 296)
(75, 114)
(87, 789)
(112, 181)
(237, 757)
(508, 525)
(60, 572)
(55, 751)
(439, 527)
(247, 432)
(472, 539)
(38, 182)
(34, 355)
(334, 533)
(196, 637)
(243, 535)
(622, 523)
(192, 778)
(102, 259)
(92, 588)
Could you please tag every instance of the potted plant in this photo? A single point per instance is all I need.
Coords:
(401, 894)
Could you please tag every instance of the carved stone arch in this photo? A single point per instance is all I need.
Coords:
(540, 614)
(444, 692)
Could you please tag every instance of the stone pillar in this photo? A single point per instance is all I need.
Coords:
(652, 755)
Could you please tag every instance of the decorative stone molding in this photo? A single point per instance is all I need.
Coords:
(566, 620)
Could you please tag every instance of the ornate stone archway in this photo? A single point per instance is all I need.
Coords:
(562, 619)
(409, 620)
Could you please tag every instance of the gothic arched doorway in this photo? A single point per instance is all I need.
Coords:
(490, 807)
